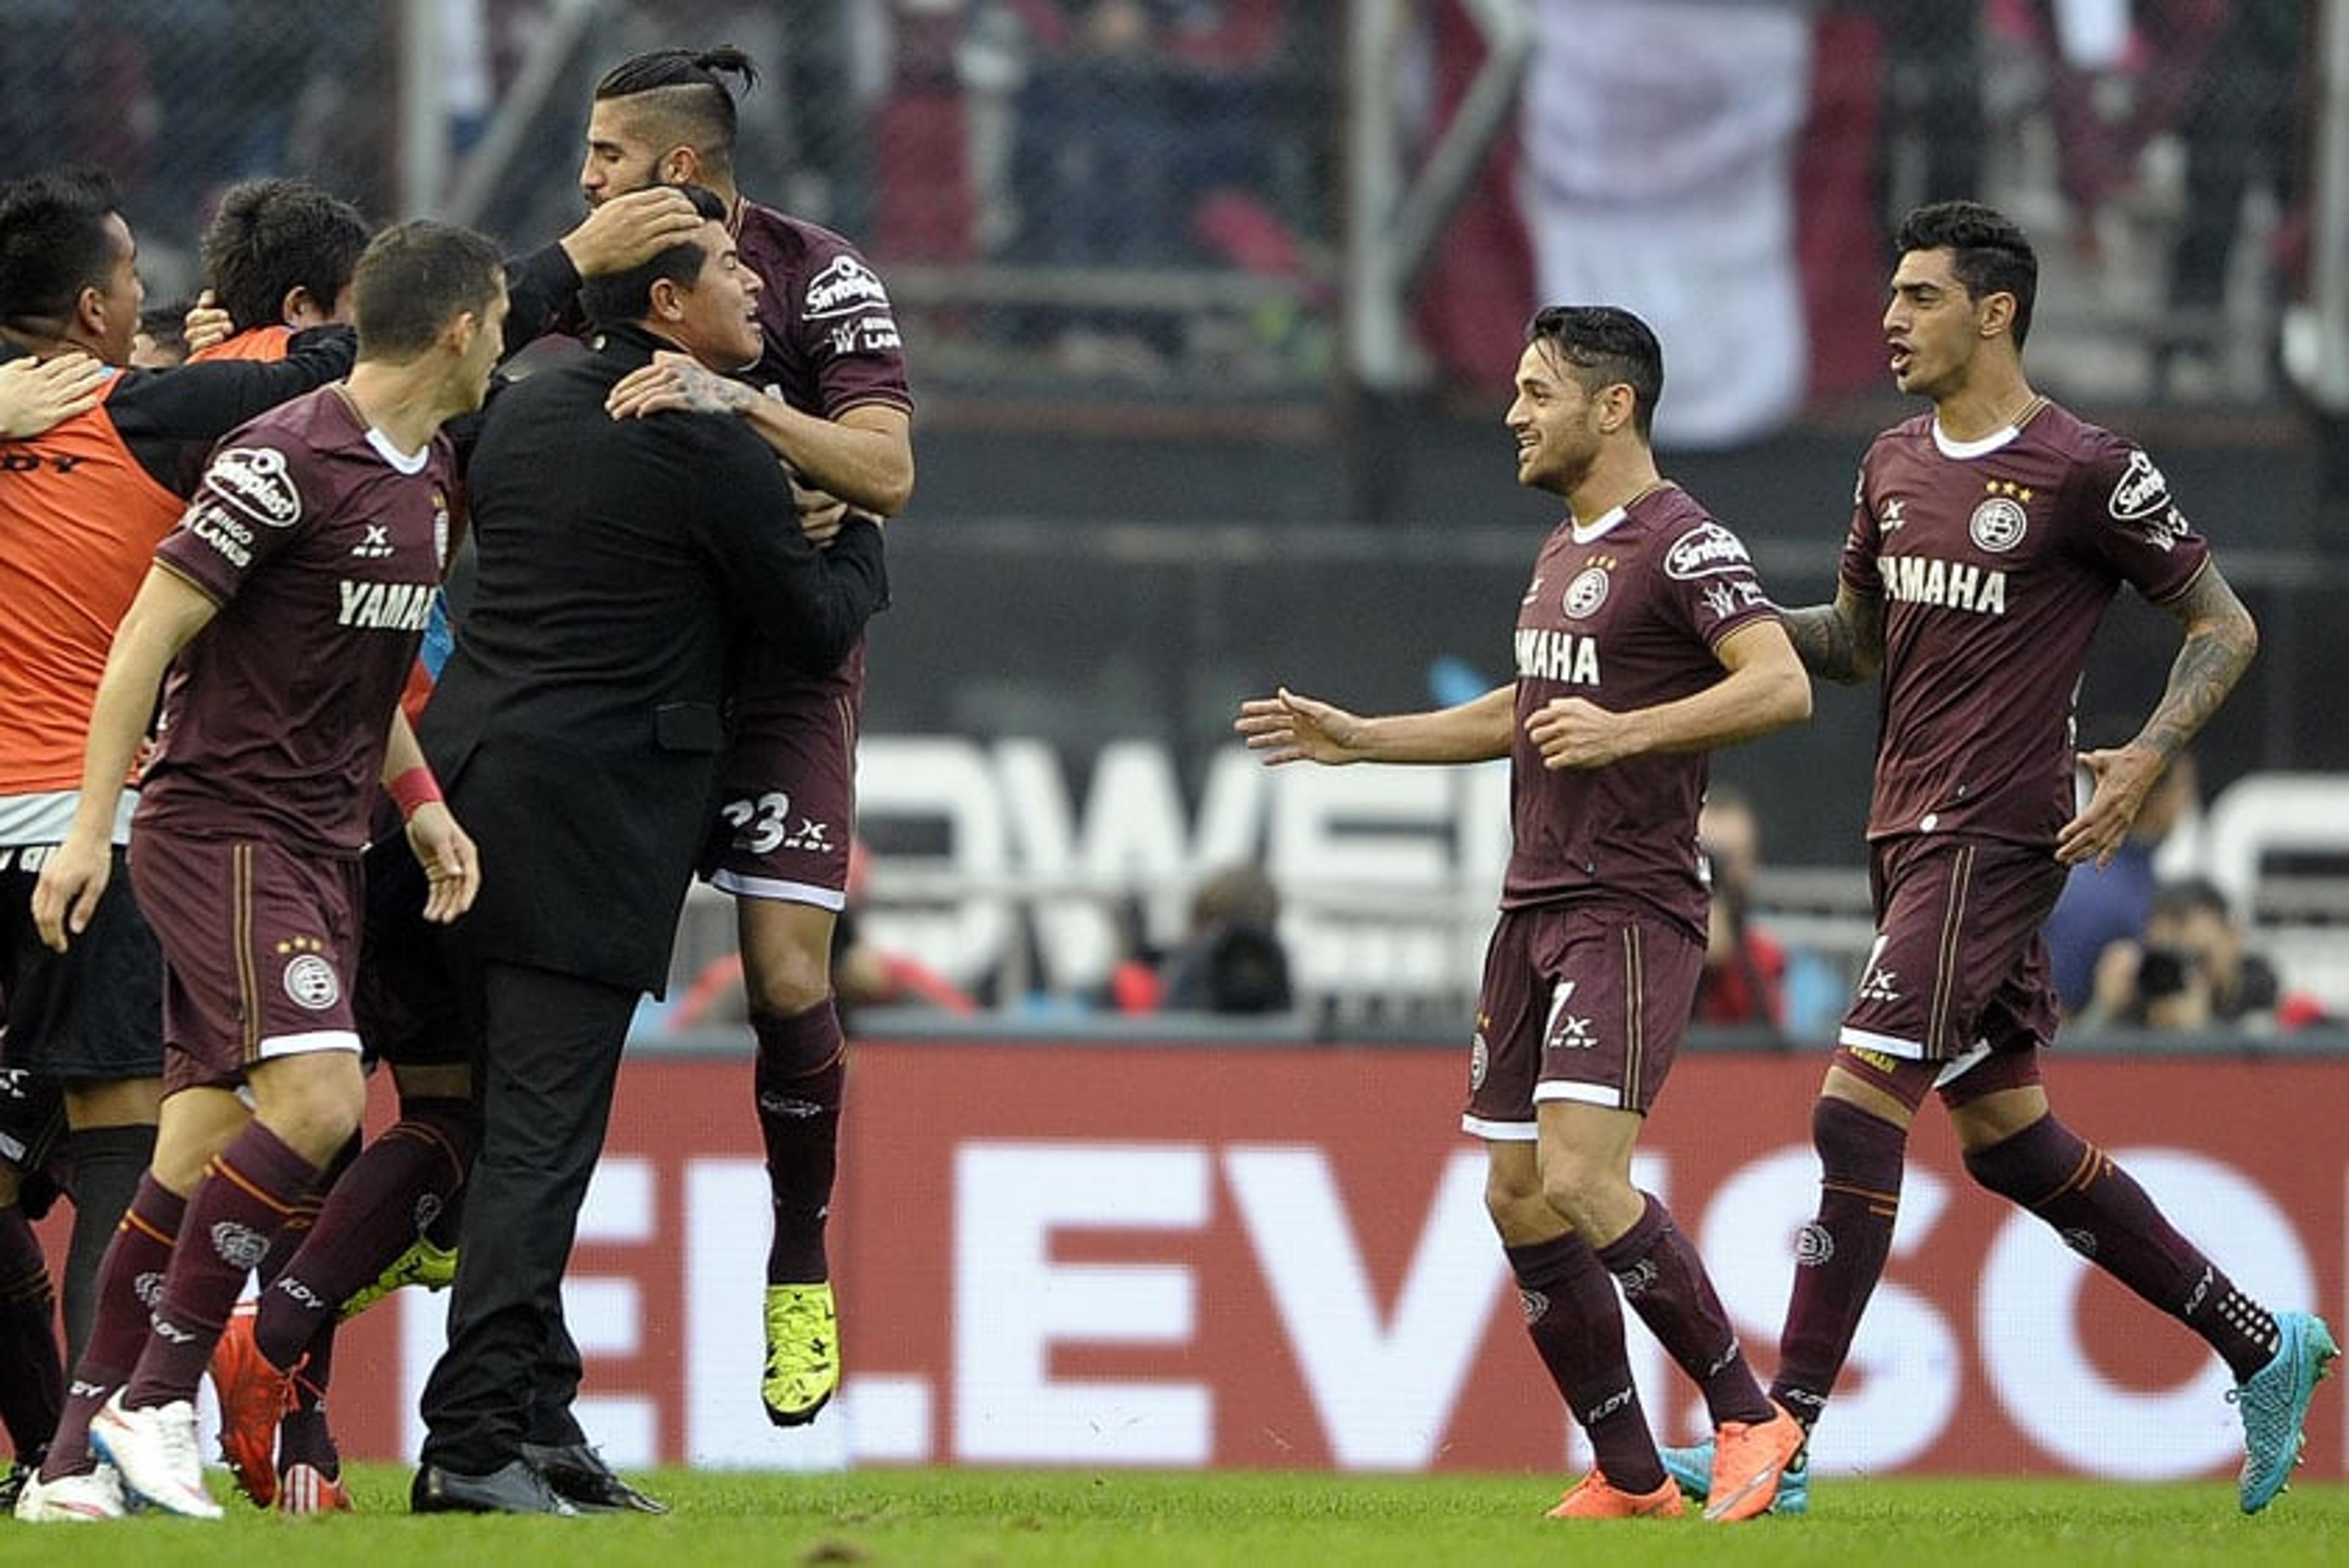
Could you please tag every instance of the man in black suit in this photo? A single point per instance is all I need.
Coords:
(577, 731)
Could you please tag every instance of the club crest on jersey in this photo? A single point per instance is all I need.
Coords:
(842, 288)
(2141, 493)
(1999, 523)
(1706, 550)
(1585, 592)
(254, 480)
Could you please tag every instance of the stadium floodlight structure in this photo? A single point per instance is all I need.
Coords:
(1393, 219)
(2316, 334)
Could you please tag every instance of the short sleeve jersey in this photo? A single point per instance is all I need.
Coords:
(1996, 560)
(1625, 614)
(832, 346)
(322, 545)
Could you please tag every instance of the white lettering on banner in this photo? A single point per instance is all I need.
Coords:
(1385, 1373)
(943, 780)
(2047, 1380)
(1417, 836)
(1012, 1303)
(1384, 1395)
(1900, 1386)
(604, 1314)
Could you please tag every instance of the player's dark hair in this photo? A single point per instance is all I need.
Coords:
(693, 107)
(1989, 253)
(166, 326)
(53, 244)
(1602, 346)
(273, 236)
(627, 296)
(413, 277)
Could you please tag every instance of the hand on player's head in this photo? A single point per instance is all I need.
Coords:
(630, 230)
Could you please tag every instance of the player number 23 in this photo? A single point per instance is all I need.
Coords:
(759, 825)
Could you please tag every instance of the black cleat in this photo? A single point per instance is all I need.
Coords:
(578, 1474)
(513, 1487)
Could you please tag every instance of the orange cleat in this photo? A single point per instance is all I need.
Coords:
(1595, 1497)
(1748, 1458)
(307, 1489)
(253, 1396)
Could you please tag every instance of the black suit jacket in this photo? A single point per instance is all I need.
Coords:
(576, 728)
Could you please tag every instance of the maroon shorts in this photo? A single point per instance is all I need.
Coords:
(1958, 962)
(1580, 1002)
(259, 944)
(787, 798)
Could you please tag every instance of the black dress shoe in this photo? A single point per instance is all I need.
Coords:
(577, 1473)
(513, 1488)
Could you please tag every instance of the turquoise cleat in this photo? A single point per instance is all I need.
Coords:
(2274, 1406)
(1692, 1468)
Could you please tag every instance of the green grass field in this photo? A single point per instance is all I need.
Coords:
(979, 1519)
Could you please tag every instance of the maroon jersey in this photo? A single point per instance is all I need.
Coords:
(832, 346)
(1625, 615)
(323, 546)
(1996, 560)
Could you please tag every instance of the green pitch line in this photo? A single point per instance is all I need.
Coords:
(982, 1519)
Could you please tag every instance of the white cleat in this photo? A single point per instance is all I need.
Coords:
(84, 1499)
(156, 1452)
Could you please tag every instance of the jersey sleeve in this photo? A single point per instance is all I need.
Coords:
(2123, 516)
(1861, 542)
(1709, 583)
(848, 332)
(249, 505)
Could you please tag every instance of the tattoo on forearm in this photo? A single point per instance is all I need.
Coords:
(1828, 645)
(2206, 670)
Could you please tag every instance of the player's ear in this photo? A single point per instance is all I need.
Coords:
(89, 311)
(1997, 313)
(681, 166)
(665, 299)
(300, 308)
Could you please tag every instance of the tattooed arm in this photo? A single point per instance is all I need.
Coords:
(1841, 642)
(2220, 640)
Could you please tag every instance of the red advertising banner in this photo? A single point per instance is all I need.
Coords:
(1277, 1256)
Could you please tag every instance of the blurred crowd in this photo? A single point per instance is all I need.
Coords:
(1086, 151)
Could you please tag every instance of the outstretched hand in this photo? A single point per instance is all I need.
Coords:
(1288, 728)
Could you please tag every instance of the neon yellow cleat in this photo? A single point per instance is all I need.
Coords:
(802, 1352)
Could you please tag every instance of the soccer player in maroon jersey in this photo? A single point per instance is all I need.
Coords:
(1987, 538)
(829, 396)
(1643, 642)
(286, 607)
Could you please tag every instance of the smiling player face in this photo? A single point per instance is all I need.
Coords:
(1554, 422)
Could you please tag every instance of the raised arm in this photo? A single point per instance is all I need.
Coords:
(1288, 726)
(2219, 639)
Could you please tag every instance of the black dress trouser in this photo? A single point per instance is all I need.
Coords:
(551, 1046)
